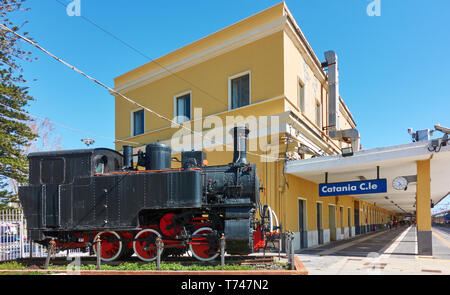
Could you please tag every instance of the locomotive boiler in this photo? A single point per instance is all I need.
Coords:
(75, 197)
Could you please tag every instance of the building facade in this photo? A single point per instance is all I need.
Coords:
(260, 70)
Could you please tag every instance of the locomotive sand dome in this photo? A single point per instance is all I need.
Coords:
(75, 196)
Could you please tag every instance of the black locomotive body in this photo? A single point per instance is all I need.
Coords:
(75, 197)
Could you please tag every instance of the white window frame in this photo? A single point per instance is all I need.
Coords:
(318, 119)
(175, 104)
(301, 104)
(132, 121)
(241, 74)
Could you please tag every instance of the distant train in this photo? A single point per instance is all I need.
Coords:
(442, 218)
(76, 196)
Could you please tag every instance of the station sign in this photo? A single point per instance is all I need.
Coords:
(374, 186)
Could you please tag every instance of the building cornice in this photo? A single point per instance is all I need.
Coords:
(248, 37)
(243, 108)
(318, 141)
(285, 22)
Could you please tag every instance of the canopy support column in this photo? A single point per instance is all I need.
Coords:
(423, 208)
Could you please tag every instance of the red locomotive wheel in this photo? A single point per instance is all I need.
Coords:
(166, 225)
(111, 245)
(200, 247)
(144, 244)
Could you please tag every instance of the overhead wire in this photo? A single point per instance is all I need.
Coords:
(111, 90)
(63, 126)
(147, 57)
(160, 65)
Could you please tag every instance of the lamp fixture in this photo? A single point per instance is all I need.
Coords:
(88, 141)
(347, 152)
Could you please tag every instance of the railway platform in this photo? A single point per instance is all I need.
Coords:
(387, 252)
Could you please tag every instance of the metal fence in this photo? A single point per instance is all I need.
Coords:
(14, 243)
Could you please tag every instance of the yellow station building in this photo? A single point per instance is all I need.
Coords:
(262, 66)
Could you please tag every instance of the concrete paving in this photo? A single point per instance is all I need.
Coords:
(441, 242)
(386, 252)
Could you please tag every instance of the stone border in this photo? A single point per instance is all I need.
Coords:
(299, 270)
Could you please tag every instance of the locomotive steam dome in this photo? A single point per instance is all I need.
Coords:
(157, 156)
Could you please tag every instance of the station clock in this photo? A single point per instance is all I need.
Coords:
(400, 183)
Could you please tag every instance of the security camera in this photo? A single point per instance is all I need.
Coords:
(435, 143)
(413, 134)
(446, 132)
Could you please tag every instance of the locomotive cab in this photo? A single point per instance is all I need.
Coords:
(62, 167)
(46, 200)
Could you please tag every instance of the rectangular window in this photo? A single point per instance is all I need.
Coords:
(240, 91)
(138, 122)
(183, 108)
(301, 97)
(318, 115)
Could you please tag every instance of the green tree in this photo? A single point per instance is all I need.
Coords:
(15, 132)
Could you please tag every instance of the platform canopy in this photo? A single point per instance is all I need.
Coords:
(393, 161)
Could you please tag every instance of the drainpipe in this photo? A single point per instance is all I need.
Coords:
(333, 92)
(350, 136)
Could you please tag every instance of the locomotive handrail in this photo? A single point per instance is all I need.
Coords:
(270, 218)
(276, 219)
(146, 171)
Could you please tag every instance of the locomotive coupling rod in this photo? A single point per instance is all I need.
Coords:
(222, 250)
(50, 251)
(159, 248)
(98, 245)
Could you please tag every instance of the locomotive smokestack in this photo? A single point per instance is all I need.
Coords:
(127, 157)
(240, 135)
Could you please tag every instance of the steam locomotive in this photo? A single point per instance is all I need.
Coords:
(76, 197)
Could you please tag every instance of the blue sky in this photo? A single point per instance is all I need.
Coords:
(393, 67)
